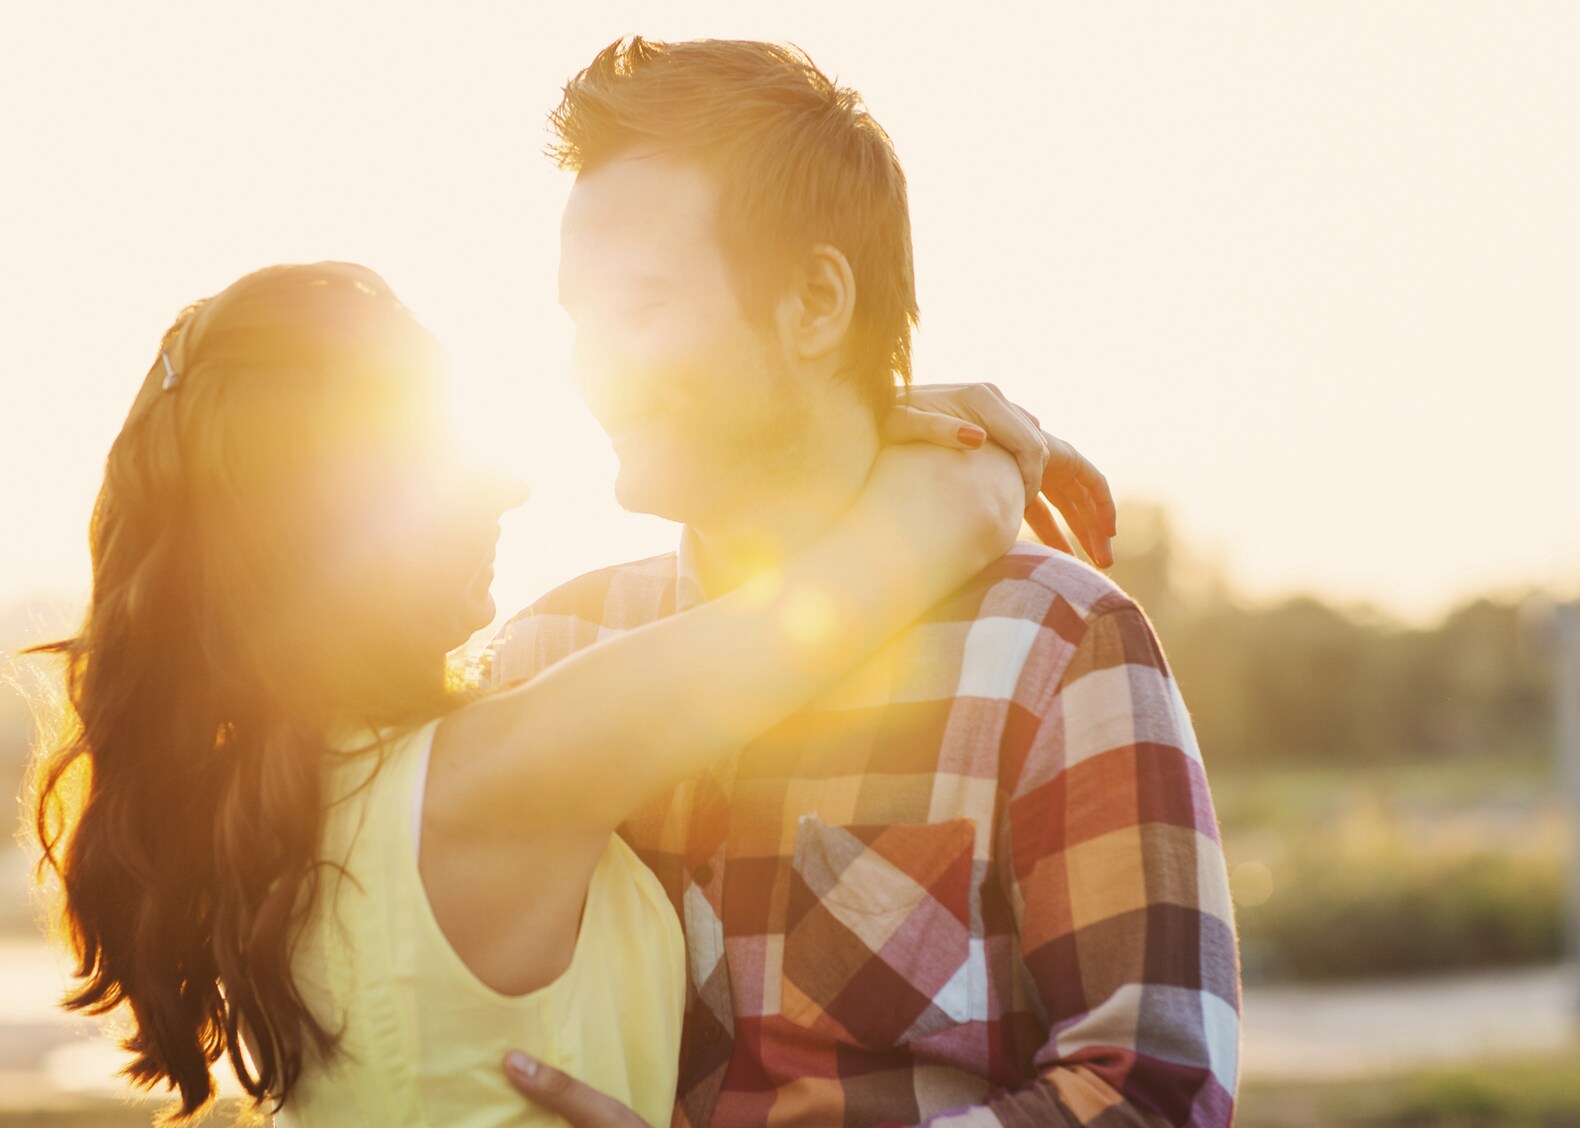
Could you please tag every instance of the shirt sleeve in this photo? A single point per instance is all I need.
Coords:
(1115, 874)
(531, 642)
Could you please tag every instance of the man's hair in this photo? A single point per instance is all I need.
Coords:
(799, 162)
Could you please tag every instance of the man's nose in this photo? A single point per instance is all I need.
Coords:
(603, 372)
(510, 491)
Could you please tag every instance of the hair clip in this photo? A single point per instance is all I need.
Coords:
(171, 379)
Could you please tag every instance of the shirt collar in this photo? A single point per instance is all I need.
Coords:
(689, 591)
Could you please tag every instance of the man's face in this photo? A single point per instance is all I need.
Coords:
(699, 402)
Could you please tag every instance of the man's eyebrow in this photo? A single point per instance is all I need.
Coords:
(646, 281)
(639, 284)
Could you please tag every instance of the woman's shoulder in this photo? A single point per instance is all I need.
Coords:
(629, 878)
(370, 775)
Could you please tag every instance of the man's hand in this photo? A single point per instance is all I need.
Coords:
(560, 1093)
(1057, 476)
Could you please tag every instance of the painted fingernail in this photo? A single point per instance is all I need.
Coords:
(520, 1064)
(972, 436)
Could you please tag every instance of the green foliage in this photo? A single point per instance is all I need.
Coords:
(1413, 869)
(1404, 916)
(1541, 1092)
(1512, 1097)
(1304, 681)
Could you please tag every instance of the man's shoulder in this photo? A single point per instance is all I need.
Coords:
(606, 594)
(579, 612)
(1032, 581)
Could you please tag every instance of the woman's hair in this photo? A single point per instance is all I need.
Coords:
(182, 812)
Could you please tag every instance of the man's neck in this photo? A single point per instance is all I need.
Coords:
(789, 511)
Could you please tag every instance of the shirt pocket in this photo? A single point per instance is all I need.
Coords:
(877, 947)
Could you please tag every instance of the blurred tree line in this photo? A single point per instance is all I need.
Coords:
(1303, 681)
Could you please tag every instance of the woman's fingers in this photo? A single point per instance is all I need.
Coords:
(1072, 499)
(579, 1104)
(1041, 520)
(1096, 487)
(1012, 429)
(986, 406)
(1068, 465)
(1049, 466)
(1080, 492)
(1076, 510)
(913, 425)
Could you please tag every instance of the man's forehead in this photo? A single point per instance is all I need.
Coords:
(640, 216)
(640, 192)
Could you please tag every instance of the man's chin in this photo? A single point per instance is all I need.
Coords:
(646, 492)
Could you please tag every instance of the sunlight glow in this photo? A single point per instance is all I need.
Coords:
(809, 616)
(1251, 884)
(1223, 273)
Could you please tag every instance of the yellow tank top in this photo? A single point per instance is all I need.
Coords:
(421, 1037)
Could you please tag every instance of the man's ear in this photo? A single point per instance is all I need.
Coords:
(816, 318)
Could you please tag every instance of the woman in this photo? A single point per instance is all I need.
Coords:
(285, 548)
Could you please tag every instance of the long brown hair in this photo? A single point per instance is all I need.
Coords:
(181, 813)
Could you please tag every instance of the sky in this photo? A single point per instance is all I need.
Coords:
(1307, 274)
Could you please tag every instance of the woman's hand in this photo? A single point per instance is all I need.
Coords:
(578, 1103)
(1056, 475)
(954, 512)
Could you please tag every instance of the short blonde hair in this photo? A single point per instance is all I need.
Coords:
(800, 162)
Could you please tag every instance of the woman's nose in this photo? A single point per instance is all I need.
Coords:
(492, 489)
(505, 490)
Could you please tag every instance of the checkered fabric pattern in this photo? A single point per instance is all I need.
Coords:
(977, 883)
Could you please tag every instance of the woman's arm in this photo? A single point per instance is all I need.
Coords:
(589, 740)
(1057, 475)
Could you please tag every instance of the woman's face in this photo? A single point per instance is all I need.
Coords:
(408, 530)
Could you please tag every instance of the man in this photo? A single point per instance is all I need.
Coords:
(978, 883)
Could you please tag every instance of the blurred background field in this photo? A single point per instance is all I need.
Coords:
(1397, 840)
(1389, 794)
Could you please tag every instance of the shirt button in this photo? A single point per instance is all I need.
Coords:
(703, 874)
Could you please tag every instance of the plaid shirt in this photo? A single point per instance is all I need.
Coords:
(977, 883)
